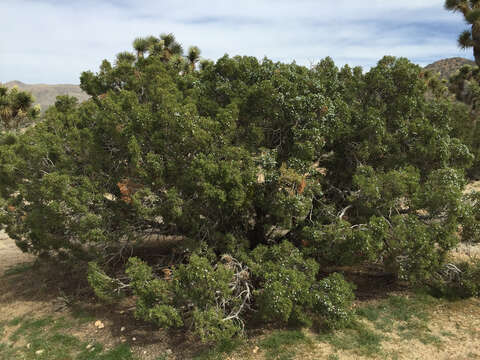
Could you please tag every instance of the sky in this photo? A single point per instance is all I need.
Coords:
(53, 41)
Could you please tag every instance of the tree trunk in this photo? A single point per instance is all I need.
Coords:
(476, 42)
(256, 236)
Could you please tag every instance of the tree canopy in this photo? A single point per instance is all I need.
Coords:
(262, 172)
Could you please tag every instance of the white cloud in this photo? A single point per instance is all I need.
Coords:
(52, 41)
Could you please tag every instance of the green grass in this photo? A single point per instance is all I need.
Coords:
(333, 357)
(447, 334)
(19, 269)
(218, 352)
(279, 344)
(48, 339)
(358, 338)
(6, 353)
(2, 328)
(406, 310)
(406, 316)
(82, 315)
(16, 320)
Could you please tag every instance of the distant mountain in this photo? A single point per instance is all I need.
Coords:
(447, 67)
(45, 95)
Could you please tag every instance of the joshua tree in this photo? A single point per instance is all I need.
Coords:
(469, 38)
(126, 56)
(193, 56)
(171, 46)
(16, 108)
(151, 40)
(167, 47)
(141, 46)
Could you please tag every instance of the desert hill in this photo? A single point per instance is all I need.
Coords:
(45, 95)
(447, 67)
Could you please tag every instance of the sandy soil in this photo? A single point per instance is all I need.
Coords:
(10, 255)
(37, 294)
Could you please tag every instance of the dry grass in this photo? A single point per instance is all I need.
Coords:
(473, 186)
(403, 328)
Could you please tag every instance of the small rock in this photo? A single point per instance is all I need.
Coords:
(89, 346)
(122, 329)
(169, 352)
(124, 340)
(39, 352)
(28, 346)
(99, 324)
(255, 349)
(134, 338)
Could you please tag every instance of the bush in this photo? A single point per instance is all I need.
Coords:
(470, 220)
(104, 286)
(285, 168)
(288, 289)
(455, 281)
(209, 298)
(215, 299)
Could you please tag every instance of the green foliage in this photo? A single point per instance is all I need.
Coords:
(289, 292)
(334, 299)
(242, 149)
(213, 298)
(464, 84)
(49, 338)
(16, 109)
(105, 287)
(211, 326)
(196, 293)
(284, 168)
(457, 281)
(220, 351)
(470, 220)
(154, 301)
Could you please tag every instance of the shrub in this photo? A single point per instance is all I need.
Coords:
(104, 286)
(285, 168)
(288, 289)
(470, 218)
(460, 280)
(215, 298)
(209, 298)
(334, 299)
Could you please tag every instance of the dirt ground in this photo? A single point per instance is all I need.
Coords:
(10, 255)
(34, 293)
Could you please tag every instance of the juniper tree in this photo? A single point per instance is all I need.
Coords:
(281, 167)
